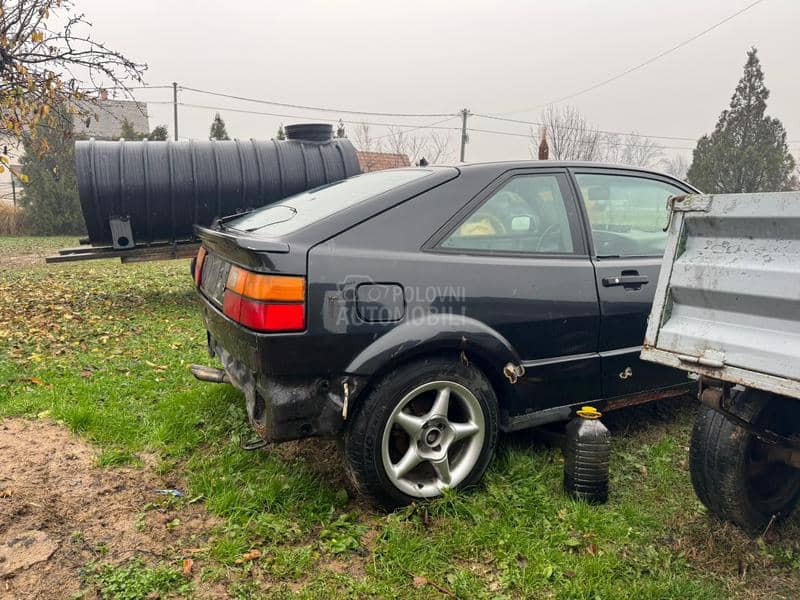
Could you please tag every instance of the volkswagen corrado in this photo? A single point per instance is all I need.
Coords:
(416, 313)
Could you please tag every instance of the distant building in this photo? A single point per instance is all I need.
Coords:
(10, 191)
(378, 161)
(102, 119)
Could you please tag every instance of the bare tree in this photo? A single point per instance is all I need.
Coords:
(438, 148)
(632, 149)
(434, 147)
(49, 61)
(570, 136)
(365, 141)
(399, 141)
(676, 165)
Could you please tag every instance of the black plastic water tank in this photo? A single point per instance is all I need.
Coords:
(161, 189)
(586, 456)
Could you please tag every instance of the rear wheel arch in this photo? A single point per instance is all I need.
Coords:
(457, 335)
(475, 356)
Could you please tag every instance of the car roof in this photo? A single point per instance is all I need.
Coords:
(495, 168)
(505, 165)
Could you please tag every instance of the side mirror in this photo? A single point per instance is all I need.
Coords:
(521, 223)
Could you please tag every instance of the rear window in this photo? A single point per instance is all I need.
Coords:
(295, 212)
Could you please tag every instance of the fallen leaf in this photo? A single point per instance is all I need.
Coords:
(592, 549)
(188, 563)
(248, 556)
(6, 493)
(37, 381)
(420, 581)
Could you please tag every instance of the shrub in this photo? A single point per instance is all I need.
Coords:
(12, 219)
(50, 195)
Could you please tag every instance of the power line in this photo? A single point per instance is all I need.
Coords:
(315, 108)
(131, 87)
(620, 143)
(537, 123)
(608, 131)
(641, 65)
(289, 116)
(434, 125)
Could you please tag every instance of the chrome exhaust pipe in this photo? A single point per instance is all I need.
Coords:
(210, 374)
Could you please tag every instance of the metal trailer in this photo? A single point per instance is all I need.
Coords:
(727, 308)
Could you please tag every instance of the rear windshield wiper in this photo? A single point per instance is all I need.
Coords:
(221, 220)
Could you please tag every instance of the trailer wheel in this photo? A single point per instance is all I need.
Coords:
(733, 472)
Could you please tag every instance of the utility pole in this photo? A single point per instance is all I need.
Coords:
(175, 108)
(464, 137)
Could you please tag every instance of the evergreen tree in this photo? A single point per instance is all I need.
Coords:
(747, 151)
(159, 134)
(218, 131)
(50, 195)
(281, 133)
(128, 132)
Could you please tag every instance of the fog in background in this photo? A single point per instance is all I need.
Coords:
(439, 57)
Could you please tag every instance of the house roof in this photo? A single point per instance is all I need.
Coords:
(378, 161)
(103, 118)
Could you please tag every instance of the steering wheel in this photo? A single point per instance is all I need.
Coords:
(497, 224)
(549, 230)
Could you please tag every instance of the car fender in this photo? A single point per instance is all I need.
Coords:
(437, 333)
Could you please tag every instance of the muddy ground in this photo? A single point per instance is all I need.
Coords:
(60, 511)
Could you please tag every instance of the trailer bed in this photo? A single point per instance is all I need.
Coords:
(727, 303)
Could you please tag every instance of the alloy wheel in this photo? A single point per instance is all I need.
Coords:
(433, 438)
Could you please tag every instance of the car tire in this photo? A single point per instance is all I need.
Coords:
(731, 474)
(400, 446)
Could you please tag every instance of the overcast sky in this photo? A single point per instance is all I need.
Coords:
(438, 57)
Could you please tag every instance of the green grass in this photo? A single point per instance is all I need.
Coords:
(105, 348)
(13, 245)
(135, 580)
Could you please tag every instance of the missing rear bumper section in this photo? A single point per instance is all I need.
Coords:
(282, 409)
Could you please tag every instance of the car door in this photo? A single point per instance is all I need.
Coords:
(520, 250)
(626, 212)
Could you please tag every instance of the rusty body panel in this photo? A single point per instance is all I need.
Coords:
(643, 398)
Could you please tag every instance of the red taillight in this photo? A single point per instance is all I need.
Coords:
(264, 302)
(198, 265)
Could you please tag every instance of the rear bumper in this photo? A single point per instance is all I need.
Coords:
(281, 406)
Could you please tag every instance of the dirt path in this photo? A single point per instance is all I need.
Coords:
(59, 511)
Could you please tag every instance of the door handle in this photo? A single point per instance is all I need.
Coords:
(625, 280)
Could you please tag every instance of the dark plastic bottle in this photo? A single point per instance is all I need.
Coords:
(586, 456)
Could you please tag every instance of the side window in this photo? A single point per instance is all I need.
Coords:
(527, 214)
(627, 214)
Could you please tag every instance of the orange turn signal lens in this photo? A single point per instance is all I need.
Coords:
(198, 264)
(278, 288)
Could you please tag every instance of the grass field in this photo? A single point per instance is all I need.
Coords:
(105, 349)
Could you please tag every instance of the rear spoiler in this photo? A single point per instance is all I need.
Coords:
(255, 244)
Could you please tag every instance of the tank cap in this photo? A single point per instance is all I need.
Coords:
(589, 412)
